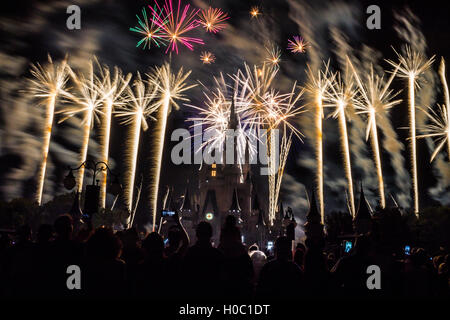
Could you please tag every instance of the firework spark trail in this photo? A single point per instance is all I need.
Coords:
(411, 66)
(112, 89)
(48, 82)
(213, 19)
(375, 99)
(151, 32)
(175, 25)
(340, 97)
(412, 135)
(170, 87)
(140, 106)
(317, 86)
(285, 146)
(447, 104)
(89, 103)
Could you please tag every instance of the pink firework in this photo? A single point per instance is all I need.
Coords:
(175, 23)
(298, 45)
(213, 19)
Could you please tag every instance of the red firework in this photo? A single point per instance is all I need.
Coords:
(175, 23)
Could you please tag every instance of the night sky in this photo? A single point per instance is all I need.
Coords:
(32, 29)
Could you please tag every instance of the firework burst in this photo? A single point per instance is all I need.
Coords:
(439, 127)
(255, 12)
(410, 66)
(297, 45)
(374, 100)
(207, 57)
(140, 105)
(151, 32)
(175, 23)
(112, 87)
(215, 116)
(49, 81)
(213, 19)
(273, 55)
(270, 110)
(170, 88)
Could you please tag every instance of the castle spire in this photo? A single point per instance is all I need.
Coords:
(233, 120)
(281, 210)
(313, 214)
(363, 211)
(313, 226)
(363, 218)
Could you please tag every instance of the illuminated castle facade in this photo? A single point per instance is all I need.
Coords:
(228, 189)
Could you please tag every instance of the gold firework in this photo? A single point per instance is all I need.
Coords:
(88, 101)
(375, 100)
(112, 88)
(317, 86)
(340, 96)
(48, 82)
(254, 12)
(170, 88)
(410, 66)
(140, 106)
(207, 57)
(273, 55)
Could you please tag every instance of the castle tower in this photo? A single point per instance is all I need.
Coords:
(313, 226)
(363, 218)
(226, 188)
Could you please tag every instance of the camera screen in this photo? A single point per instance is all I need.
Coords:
(407, 250)
(348, 246)
(168, 213)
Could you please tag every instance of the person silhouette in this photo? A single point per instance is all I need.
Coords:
(349, 273)
(280, 278)
(151, 272)
(64, 251)
(104, 273)
(202, 266)
(237, 272)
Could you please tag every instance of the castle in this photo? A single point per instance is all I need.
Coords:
(229, 189)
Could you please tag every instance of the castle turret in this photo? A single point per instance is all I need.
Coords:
(313, 226)
(363, 218)
(290, 228)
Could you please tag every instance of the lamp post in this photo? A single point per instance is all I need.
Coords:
(92, 193)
